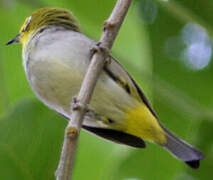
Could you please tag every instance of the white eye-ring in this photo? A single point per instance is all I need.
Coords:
(27, 23)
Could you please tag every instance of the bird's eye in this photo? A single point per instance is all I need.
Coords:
(27, 24)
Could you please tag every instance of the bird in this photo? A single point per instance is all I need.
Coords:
(56, 55)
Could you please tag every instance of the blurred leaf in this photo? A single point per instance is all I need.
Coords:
(151, 163)
(206, 143)
(15, 81)
(4, 99)
(30, 140)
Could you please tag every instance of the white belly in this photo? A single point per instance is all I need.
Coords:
(56, 84)
(56, 74)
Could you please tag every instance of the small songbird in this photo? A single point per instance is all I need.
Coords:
(56, 55)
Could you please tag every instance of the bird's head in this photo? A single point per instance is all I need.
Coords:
(44, 18)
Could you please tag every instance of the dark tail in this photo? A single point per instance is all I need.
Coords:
(182, 150)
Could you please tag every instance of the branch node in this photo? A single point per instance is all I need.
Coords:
(108, 25)
(71, 132)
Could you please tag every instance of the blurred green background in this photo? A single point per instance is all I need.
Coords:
(166, 46)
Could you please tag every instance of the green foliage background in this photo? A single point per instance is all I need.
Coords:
(31, 135)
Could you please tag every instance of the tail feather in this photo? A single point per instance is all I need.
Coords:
(182, 150)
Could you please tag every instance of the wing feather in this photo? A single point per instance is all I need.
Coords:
(122, 77)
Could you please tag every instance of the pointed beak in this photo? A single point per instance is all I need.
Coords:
(14, 40)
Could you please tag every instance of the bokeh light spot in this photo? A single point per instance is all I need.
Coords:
(192, 46)
(197, 54)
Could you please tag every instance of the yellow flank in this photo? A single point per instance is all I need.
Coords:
(141, 123)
